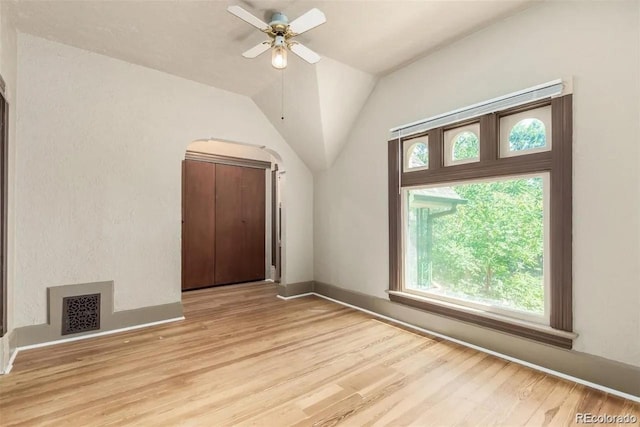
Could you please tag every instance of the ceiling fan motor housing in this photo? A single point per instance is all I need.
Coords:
(279, 23)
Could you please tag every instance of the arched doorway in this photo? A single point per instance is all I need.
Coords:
(231, 214)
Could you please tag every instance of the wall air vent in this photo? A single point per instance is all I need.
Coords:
(80, 313)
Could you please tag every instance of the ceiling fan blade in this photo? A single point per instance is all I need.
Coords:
(306, 22)
(305, 53)
(258, 49)
(249, 18)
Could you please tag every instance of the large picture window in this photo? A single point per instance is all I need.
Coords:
(481, 243)
(488, 239)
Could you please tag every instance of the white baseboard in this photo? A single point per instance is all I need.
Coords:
(297, 296)
(10, 364)
(84, 337)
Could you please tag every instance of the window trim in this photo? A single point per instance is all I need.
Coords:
(557, 161)
(4, 212)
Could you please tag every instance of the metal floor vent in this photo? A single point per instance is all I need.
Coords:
(80, 313)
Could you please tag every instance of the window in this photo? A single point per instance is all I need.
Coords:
(489, 242)
(481, 242)
(417, 154)
(466, 146)
(525, 132)
(462, 145)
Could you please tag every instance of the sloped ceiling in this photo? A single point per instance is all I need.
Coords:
(314, 107)
(200, 41)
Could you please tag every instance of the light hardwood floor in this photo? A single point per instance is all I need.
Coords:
(244, 357)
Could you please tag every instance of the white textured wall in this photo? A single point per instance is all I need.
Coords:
(342, 90)
(596, 43)
(100, 143)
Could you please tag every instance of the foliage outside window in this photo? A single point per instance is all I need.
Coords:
(484, 234)
(465, 146)
(481, 242)
(462, 144)
(527, 134)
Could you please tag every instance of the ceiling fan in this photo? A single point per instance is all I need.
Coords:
(281, 32)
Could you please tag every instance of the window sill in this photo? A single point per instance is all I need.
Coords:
(521, 328)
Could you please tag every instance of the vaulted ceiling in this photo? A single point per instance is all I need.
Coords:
(198, 40)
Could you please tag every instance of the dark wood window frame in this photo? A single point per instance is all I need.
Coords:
(4, 164)
(557, 162)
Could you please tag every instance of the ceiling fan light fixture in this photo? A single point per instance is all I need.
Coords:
(279, 57)
(281, 32)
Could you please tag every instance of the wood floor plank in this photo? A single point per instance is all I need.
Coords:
(458, 399)
(550, 406)
(568, 409)
(244, 357)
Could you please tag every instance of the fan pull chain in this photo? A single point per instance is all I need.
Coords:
(282, 98)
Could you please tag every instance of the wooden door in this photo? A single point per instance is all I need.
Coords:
(198, 224)
(240, 224)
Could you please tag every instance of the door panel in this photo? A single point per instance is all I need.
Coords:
(240, 224)
(198, 224)
(253, 198)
